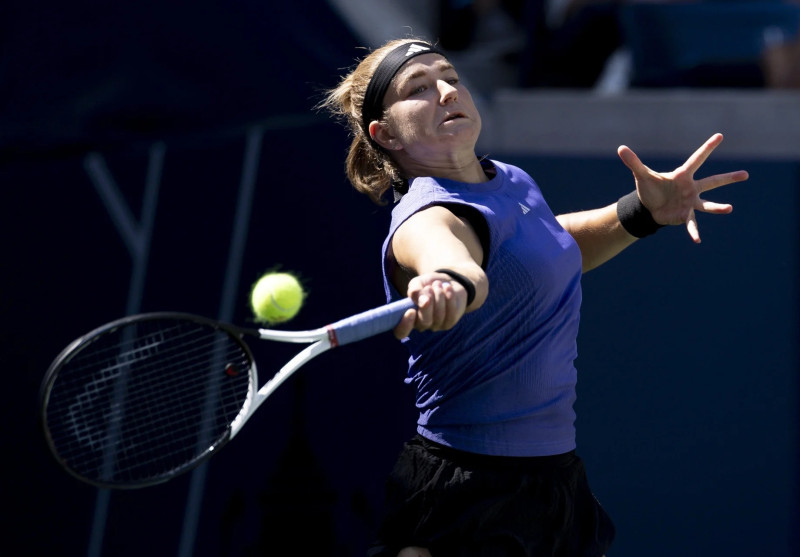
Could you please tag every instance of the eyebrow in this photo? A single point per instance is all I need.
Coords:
(441, 66)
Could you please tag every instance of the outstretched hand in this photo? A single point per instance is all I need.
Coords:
(674, 197)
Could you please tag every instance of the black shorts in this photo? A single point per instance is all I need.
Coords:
(460, 504)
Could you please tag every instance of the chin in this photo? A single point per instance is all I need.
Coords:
(466, 132)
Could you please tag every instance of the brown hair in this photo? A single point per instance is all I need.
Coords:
(370, 169)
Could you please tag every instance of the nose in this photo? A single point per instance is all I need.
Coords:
(447, 92)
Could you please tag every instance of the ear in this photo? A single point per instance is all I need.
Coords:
(383, 136)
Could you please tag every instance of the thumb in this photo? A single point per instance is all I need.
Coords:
(406, 324)
(630, 159)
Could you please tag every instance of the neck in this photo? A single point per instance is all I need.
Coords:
(466, 169)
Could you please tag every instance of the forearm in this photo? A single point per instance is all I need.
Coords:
(436, 239)
(598, 233)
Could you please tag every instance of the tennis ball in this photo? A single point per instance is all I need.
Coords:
(276, 297)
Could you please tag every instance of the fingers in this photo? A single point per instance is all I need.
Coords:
(439, 305)
(431, 306)
(691, 227)
(719, 180)
(674, 197)
(706, 207)
(697, 158)
(406, 325)
(714, 208)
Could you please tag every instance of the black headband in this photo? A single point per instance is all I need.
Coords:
(382, 78)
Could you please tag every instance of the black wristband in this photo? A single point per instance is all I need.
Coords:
(635, 217)
(463, 281)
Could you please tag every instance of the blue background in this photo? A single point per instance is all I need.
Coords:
(688, 393)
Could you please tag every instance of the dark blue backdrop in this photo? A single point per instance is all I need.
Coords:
(688, 394)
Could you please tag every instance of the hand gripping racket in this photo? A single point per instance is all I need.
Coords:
(145, 398)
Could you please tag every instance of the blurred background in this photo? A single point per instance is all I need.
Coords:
(162, 155)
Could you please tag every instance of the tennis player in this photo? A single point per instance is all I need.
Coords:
(496, 278)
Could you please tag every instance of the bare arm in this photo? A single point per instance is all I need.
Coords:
(599, 234)
(434, 239)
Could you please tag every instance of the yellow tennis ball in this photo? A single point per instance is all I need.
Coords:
(276, 297)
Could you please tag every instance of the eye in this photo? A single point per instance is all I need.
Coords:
(417, 90)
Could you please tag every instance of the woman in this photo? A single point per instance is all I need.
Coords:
(496, 281)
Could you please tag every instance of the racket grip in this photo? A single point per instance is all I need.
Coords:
(368, 323)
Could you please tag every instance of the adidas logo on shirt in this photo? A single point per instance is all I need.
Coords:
(525, 208)
(414, 48)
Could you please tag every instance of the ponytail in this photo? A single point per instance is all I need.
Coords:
(370, 169)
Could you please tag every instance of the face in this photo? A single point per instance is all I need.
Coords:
(429, 111)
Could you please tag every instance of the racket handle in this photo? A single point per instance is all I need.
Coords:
(368, 323)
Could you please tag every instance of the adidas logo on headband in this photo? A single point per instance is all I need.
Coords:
(415, 49)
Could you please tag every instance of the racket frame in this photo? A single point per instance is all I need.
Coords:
(77, 346)
(345, 331)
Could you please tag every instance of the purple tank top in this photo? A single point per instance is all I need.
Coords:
(502, 381)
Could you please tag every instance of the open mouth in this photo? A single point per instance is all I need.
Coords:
(453, 116)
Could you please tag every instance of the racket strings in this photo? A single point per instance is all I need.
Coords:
(146, 400)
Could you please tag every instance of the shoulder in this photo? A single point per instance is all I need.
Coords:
(422, 193)
(511, 172)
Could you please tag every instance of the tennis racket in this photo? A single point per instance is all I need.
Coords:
(145, 398)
